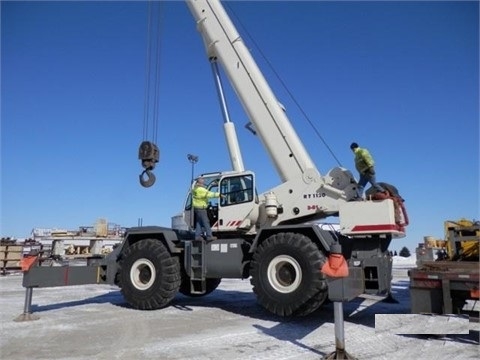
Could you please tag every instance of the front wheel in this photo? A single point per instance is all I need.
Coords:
(286, 276)
(149, 275)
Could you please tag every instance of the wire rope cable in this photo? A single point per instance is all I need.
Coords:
(148, 152)
(284, 85)
(146, 104)
(152, 71)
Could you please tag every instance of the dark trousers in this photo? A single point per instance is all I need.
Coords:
(368, 177)
(201, 221)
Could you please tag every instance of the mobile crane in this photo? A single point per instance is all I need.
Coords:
(272, 238)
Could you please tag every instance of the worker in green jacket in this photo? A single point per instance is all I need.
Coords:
(365, 166)
(200, 196)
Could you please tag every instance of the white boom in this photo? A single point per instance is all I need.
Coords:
(223, 44)
(304, 194)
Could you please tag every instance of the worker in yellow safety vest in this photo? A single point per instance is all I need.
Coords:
(365, 166)
(200, 196)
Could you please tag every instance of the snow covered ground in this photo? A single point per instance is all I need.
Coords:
(403, 261)
(93, 322)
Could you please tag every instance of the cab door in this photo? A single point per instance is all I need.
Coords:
(238, 199)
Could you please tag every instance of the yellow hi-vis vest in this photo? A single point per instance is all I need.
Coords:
(200, 197)
(363, 160)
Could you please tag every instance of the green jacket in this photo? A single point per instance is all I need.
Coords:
(363, 160)
(200, 196)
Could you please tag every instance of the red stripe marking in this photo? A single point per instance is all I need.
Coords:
(375, 227)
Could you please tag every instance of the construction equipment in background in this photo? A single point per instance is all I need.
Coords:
(85, 240)
(447, 281)
(462, 240)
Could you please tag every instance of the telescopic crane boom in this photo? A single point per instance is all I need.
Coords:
(303, 194)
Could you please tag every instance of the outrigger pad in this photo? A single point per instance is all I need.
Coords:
(26, 317)
(340, 355)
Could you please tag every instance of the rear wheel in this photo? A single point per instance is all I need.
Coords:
(459, 300)
(149, 275)
(286, 276)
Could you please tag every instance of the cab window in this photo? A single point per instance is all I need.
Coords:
(237, 190)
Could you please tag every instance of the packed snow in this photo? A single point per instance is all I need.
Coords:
(94, 322)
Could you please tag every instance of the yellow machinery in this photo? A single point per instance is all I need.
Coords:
(462, 240)
(443, 285)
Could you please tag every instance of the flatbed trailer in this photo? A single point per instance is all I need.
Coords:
(442, 287)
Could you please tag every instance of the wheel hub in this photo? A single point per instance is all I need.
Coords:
(284, 274)
(142, 274)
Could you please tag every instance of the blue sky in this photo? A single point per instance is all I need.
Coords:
(400, 78)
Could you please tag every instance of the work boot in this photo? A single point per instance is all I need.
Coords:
(211, 238)
(198, 238)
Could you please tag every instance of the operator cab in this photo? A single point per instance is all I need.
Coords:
(229, 213)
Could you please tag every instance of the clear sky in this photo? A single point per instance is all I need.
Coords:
(400, 78)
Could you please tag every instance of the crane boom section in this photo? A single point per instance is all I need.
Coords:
(223, 44)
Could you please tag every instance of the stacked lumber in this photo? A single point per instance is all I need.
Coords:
(10, 256)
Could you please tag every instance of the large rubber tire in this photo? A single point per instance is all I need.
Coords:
(211, 285)
(149, 275)
(285, 274)
(459, 299)
(314, 303)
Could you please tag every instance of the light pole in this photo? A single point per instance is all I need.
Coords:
(193, 160)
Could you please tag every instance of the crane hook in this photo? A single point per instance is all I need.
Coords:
(149, 154)
(150, 178)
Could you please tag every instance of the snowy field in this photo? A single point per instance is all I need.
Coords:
(93, 322)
